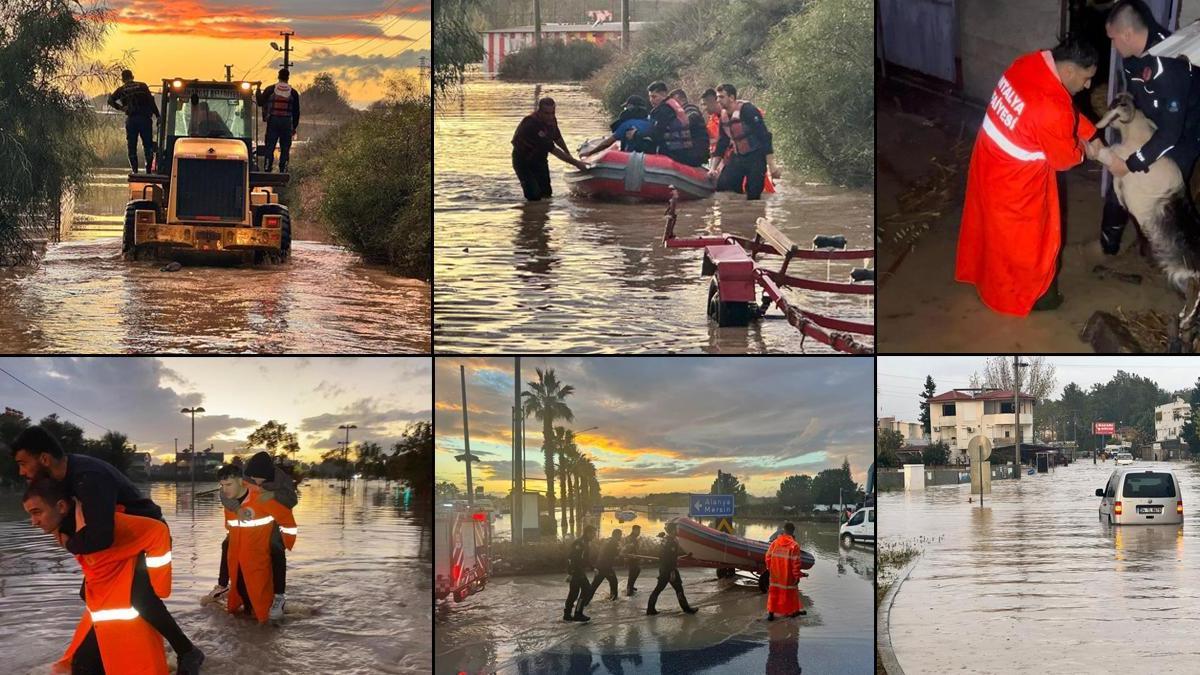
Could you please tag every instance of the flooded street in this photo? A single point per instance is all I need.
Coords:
(576, 275)
(1034, 582)
(358, 586)
(515, 626)
(85, 298)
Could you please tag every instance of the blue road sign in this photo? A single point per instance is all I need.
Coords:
(711, 506)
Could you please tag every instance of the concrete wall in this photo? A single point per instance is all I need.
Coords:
(991, 34)
(893, 479)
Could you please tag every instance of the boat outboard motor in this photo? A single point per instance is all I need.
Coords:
(862, 274)
(829, 241)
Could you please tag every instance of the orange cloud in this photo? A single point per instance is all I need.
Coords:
(603, 443)
(457, 407)
(196, 19)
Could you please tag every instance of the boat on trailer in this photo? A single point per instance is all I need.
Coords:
(728, 553)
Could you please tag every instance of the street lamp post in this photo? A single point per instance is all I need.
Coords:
(346, 448)
(192, 449)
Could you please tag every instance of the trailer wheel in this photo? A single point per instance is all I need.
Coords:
(131, 208)
(727, 314)
(710, 304)
(459, 596)
(764, 581)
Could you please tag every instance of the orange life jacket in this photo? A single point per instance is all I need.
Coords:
(280, 104)
(679, 134)
(714, 133)
(128, 644)
(783, 564)
(250, 548)
(732, 122)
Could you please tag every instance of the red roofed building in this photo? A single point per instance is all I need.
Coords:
(959, 415)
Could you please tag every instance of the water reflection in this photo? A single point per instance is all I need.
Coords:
(358, 582)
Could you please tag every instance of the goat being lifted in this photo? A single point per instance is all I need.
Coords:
(1157, 200)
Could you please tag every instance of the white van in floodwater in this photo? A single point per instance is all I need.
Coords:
(1124, 458)
(860, 527)
(1141, 497)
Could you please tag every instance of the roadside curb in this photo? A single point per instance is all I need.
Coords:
(883, 634)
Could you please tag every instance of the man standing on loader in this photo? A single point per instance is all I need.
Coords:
(135, 100)
(281, 111)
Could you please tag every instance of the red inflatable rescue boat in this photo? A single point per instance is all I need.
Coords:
(614, 174)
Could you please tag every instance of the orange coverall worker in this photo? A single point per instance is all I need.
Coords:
(249, 558)
(783, 564)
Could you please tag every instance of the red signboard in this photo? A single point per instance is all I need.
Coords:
(1104, 428)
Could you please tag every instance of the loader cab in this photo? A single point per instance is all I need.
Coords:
(210, 110)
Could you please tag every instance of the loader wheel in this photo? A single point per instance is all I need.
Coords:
(131, 208)
(285, 240)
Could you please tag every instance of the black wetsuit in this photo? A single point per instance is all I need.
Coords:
(668, 573)
(604, 567)
(635, 564)
(532, 143)
(580, 588)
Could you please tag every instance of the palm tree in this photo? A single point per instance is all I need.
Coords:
(564, 443)
(568, 465)
(546, 402)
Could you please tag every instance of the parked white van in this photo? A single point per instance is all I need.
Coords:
(1141, 497)
(860, 527)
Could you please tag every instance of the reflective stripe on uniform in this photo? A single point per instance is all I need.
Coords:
(158, 560)
(784, 586)
(114, 614)
(289, 530)
(1010, 148)
(257, 522)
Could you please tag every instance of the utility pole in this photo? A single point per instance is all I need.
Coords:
(346, 449)
(421, 71)
(624, 25)
(518, 465)
(1017, 411)
(466, 456)
(537, 23)
(192, 454)
(287, 47)
(229, 72)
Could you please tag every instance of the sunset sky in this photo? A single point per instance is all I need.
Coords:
(668, 424)
(141, 397)
(359, 41)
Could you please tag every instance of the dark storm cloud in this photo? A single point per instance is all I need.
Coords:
(358, 67)
(373, 423)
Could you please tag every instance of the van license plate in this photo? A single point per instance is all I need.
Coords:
(1149, 509)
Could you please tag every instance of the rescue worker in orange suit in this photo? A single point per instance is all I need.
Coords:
(672, 131)
(1011, 232)
(668, 573)
(743, 128)
(102, 492)
(278, 486)
(251, 526)
(605, 562)
(112, 636)
(135, 100)
(280, 105)
(577, 567)
(1166, 90)
(536, 138)
(783, 568)
(712, 124)
(632, 559)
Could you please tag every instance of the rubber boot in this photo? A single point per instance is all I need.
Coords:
(580, 616)
(770, 616)
(1051, 299)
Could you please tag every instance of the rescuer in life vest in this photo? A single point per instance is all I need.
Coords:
(281, 489)
(101, 491)
(672, 131)
(1011, 232)
(668, 573)
(280, 105)
(112, 636)
(135, 100)
(712, 110)
(577, 567)
(632, 129)
(250, 526)
(783, 568)
(696, 126)
(743, 128)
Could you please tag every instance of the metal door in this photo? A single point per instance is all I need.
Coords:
(919, 35)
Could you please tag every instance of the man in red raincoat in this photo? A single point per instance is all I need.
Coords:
(1011, 232)
(783, 565)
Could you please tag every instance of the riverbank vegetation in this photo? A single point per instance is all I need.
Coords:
(807, 62)
(555, 61)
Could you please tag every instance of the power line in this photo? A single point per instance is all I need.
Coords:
(414, 42)
(87, 419)
(260, 60)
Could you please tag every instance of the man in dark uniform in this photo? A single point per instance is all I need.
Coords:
(604, 565)
(672, 131)
(100, 489)
(1166, 90)
(135, 100)
(577, 567)
(668, 573)
(697, 127)
(634, 562)
(536, 138)
(280, 105)
(743, 128)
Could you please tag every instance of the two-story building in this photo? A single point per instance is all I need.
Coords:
(1169, 419)
(959, 415)
(913, 432)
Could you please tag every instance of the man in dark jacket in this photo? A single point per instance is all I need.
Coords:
(672, 130)
(697, 127)
(605, 563)
(100, 489)
(577, 567)
(632, 559)
(135, 100)
(280, 105)
(668, 573)
(536, 138)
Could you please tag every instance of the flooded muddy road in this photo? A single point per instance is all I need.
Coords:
(85, 298)
(515, 624)
(576, 275)
(358, 586)
(1034, 582)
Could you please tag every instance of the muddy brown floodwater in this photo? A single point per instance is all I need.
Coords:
(84, 297)
(575, 275)
(1035, 583)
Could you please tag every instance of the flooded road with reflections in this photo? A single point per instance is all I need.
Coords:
(85, 298)
(515, 624)
(358, 586)
(576, 275)
(1034, 582)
